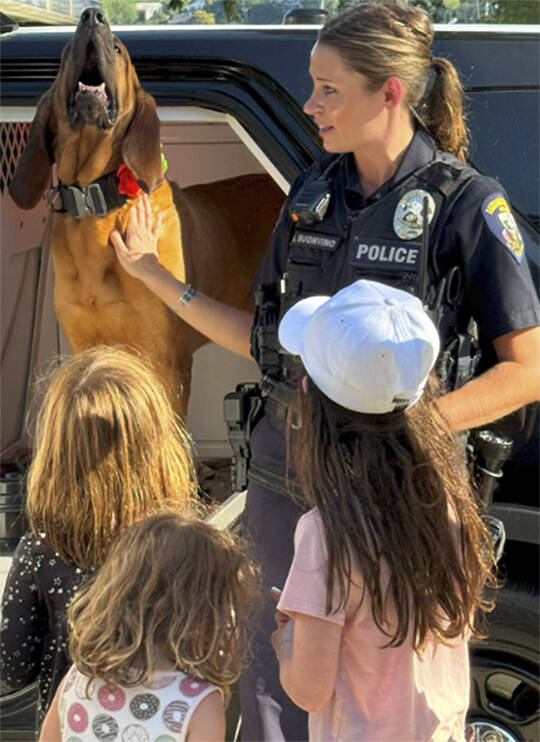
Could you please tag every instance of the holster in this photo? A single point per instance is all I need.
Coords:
(488, 452)
(241, 410)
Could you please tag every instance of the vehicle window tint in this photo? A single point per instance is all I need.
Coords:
(504, 132)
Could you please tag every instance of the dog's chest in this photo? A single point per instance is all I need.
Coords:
(86, 269)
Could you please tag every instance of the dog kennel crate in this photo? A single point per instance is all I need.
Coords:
(200, 146)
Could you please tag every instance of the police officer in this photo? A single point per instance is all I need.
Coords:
(393, 201)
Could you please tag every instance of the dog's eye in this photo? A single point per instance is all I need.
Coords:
(117, 49)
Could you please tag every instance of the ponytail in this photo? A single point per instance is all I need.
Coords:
(442, 112)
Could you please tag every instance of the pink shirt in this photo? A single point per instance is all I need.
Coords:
(381, 695)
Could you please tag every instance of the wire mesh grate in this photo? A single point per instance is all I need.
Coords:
(13, 136)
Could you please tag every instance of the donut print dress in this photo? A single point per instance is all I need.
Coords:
(158, 711)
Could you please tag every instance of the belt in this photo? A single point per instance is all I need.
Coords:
(275, 409)
(274, 481)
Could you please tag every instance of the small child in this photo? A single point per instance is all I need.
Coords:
(157, 638)
(391, 562)
(108, 451)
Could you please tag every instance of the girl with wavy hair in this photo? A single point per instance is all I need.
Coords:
(392, 559)
(158, 637)
(109, 450)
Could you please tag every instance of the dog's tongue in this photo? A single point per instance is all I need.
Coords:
(97, 90)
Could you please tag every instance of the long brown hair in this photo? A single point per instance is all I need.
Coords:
(383, 38)
(394, 488)
(108, 450)
(173, 590)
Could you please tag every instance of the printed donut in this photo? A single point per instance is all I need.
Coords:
(164, 738)
(111, 697)
(144, 705)
(191, 686)
(70, 678)
(105, 728)
(135, 733)
(77, 717)
(160, 682)
(62, 703)
(174, 714)
(80, 687)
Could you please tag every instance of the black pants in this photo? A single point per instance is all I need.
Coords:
(267, 712)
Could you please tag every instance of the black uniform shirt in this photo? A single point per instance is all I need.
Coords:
(498, 290)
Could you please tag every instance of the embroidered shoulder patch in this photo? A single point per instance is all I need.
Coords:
(501, 222)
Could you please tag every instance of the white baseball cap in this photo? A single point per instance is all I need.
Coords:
(370, 347)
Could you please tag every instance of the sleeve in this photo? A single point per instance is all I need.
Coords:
(499, 291)
(305, 588)
(23, 614)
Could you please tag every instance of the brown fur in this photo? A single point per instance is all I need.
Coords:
(216, 244)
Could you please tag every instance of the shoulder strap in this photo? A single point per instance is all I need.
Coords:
(450, 178)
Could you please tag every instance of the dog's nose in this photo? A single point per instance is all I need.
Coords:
(92, 17)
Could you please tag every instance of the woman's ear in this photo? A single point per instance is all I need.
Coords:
(394, 90)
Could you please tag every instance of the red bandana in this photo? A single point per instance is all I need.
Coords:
(127, 184)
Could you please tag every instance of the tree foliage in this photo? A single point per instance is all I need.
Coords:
(516, 11)
(120, 11)
(201, 16)
(177, 5)
(441, 11)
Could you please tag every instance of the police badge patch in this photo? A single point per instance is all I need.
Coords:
(501, 222)
(409, 214)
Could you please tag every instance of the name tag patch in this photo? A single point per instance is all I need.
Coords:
(501, 222)
(382, 254)
(315, 240)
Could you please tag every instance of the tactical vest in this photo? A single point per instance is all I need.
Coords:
(386, 241)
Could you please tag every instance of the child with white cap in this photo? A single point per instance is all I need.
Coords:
(392, 560)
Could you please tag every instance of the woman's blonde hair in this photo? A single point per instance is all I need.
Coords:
(108, 450)
(383, 38)
(173, 592)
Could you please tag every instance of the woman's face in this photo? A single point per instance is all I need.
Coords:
(348, 113)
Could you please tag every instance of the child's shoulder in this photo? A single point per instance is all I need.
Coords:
(309, 539)
(310, 521)
(31, 547)
(189, 685)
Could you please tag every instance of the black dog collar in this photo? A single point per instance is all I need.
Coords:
(97, 198)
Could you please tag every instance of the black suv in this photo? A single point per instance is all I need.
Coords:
(255, 80)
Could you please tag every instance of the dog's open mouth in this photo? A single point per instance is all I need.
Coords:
(92, 101)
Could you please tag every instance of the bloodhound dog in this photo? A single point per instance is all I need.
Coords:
(101, 129)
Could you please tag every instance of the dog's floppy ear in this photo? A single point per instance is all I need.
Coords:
(34, 167)
(141, 149)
